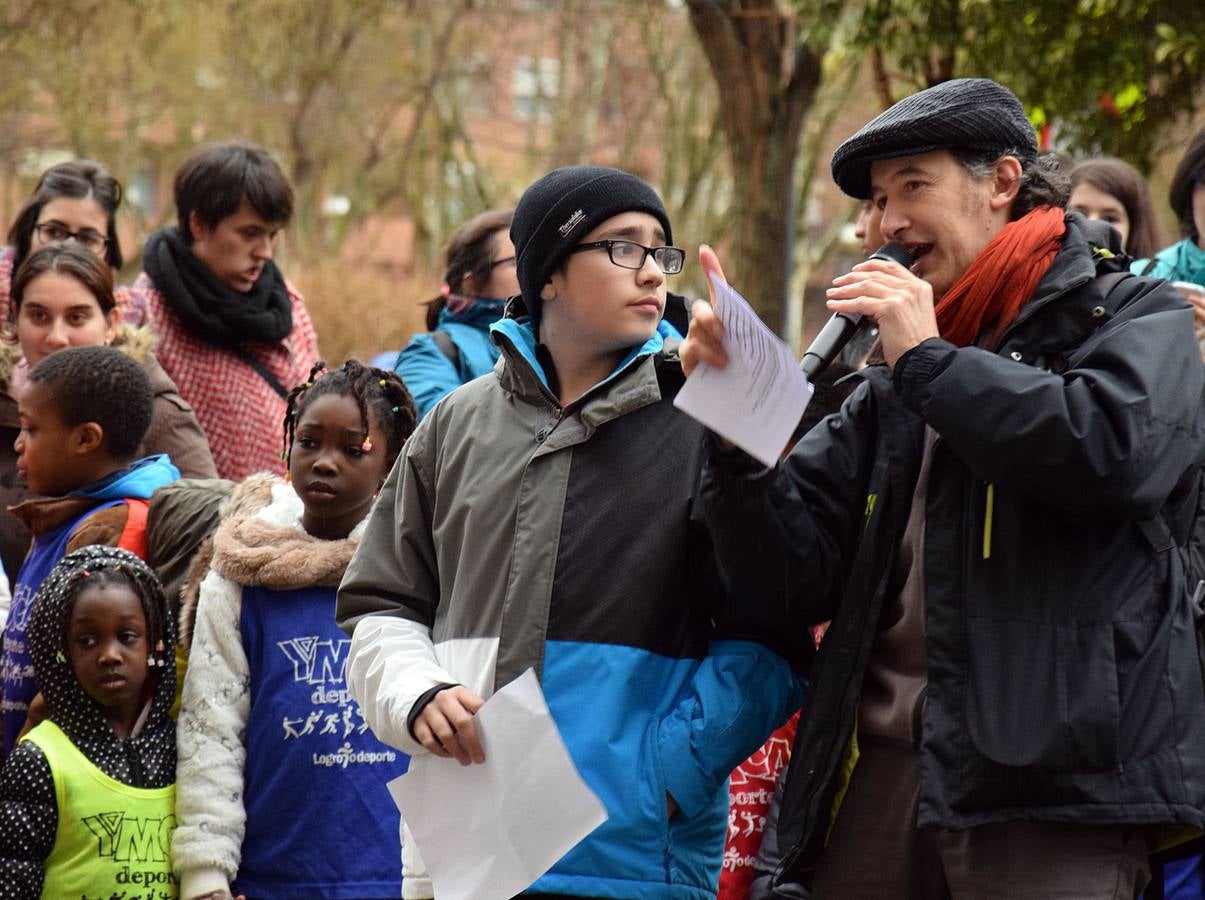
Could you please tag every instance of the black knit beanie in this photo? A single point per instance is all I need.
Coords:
(559, 209)
(963, 114)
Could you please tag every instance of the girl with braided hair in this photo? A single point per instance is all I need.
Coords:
(266, 718)
(86, 797)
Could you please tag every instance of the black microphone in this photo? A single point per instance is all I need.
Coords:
(843, 326)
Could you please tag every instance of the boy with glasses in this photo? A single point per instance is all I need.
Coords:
(544, 516)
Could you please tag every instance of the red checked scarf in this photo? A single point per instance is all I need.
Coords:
(1001, 279)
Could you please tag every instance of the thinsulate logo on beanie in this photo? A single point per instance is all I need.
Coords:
(572, 222)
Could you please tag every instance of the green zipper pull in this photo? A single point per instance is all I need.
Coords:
(989, 505)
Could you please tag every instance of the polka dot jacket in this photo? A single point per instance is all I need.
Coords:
(28, 814)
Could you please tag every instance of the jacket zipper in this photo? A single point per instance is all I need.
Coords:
(989, 504)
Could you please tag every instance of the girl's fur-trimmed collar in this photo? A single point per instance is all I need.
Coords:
(262, 542)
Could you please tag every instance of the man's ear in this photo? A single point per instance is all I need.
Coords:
(1006, 182)
(548, 291)
(87, 437)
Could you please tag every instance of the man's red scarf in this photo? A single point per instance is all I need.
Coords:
(1002, 278)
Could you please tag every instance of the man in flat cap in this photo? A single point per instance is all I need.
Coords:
(1009, 700)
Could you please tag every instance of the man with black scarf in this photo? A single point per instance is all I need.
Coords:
(232, 333)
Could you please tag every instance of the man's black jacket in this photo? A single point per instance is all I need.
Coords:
(1063, 678)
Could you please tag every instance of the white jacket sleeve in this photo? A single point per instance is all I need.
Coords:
(210, 732)
(387, 602)
(6, 598)
(391, 664)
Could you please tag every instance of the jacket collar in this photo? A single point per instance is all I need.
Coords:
(136, 482)
(264, 543)
(481, 313)
(520, 372)
(1060, 314)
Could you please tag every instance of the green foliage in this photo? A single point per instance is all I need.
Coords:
(1109, 75)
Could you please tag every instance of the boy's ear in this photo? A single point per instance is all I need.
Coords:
(87, 437)
(197, 226)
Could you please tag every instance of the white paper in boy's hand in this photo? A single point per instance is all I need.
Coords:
(759, 397)
(489, 831)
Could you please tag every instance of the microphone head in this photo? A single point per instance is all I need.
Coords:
(894, 251)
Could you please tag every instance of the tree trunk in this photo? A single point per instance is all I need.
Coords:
(767, 81)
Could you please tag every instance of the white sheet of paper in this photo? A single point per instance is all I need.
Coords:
(489, 831)
(759, 398)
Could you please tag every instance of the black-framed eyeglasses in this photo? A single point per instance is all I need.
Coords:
(501, 262)
(630, 255)
(88, 238)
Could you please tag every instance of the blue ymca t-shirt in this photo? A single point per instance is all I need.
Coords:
(320, 820)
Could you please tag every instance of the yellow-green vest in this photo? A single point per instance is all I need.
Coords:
(112, 839)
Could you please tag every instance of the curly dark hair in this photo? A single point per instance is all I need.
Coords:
(1043, 183)
(101, 385)
(377, 389)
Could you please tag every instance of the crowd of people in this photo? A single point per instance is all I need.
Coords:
(947, 648)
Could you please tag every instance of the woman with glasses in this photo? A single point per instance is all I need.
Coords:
(479, 277)
(73, 201)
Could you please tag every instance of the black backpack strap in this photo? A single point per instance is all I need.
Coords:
(262, 371)
(447, 347)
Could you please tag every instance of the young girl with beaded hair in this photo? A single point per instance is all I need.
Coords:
(266, 718)
(102, 641)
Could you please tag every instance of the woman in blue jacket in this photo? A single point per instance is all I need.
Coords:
(480, 275)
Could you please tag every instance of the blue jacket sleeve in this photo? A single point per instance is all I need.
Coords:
(28, 821)
(428, 373)
(746, 686)
(740, 693)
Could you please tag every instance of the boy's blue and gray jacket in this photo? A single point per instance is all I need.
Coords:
(513, 534)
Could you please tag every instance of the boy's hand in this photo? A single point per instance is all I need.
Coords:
(446, 726)
(704, 340)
